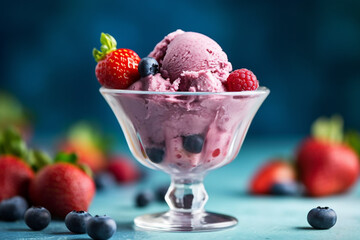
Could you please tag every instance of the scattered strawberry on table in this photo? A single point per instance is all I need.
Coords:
(63, 186)
(326, 163)
(88, 143)
(123, 169)
(17, 164)
(276, 171)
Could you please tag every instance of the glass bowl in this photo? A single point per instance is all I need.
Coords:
(185, 134)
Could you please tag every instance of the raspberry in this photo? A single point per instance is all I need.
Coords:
(242, 80)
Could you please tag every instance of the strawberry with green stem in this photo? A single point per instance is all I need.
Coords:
(63, 186)
(116, 68)
(326, 164)
(17, 164)
(88, 143)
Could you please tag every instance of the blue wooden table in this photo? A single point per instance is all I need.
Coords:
(266, 217)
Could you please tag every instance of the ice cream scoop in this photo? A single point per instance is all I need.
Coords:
(193, 61)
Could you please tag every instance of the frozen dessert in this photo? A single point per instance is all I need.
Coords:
(177, 128)
(188, 61)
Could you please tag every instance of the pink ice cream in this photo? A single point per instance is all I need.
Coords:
(161, 123)
(188, 61)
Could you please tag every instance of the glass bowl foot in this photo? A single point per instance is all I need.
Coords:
(179, 221)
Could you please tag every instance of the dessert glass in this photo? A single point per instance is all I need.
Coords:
(185, 134)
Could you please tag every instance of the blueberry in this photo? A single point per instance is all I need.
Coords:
(193, 143)
(188, 201)
(322, 217)
(148, 66)
(100, 227)
(156, 155)
(144, 198)
(104, 180)
(37, 218)
(285, 189)
(161, 192)
(13, 209)
(76, 221)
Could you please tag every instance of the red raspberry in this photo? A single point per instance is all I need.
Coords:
(242, 80)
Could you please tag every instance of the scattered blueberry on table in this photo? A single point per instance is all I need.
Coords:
(13, 209)
(144, 198)
(76, 221)
(100, 227)
(161, 192)
(104, 180)
(322, 218)
(285, 189)
(37, 218)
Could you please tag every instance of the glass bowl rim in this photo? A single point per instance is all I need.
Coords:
(260, 90)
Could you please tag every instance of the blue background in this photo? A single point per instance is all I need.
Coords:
(307, 52)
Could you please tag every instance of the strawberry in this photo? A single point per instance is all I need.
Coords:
(62, 187)
(87, 154)
(116, 68)
(15, 177)
(326, 164)
(15, 167)
(88, 143)
(123, 169)
(272, 172)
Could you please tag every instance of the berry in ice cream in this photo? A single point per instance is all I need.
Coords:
(147, 66)
(242, 80)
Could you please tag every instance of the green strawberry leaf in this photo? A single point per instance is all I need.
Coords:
(66, 157)
(71, 158)
(86, 169)
(108, 44)
(12, 143)
(329, 129)
(38, 159)
(352, 138)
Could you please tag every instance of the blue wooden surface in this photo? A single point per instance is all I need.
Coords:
(259, 217)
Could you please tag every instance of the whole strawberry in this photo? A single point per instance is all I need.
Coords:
(62, 187)
(15, 177)
(273, 172)
(88, 143)
(15, 169)
(116, 68)
(326, 164)
(124, 170)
